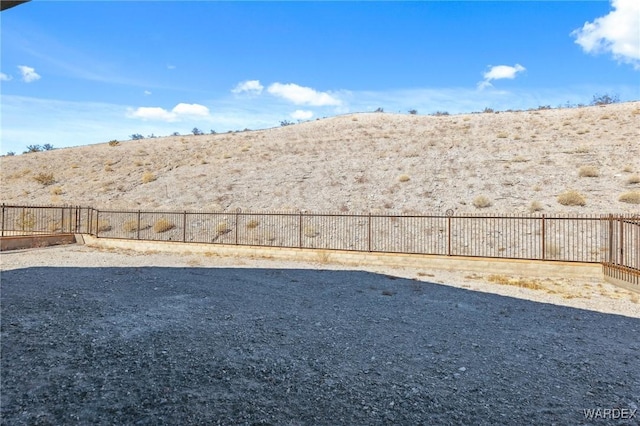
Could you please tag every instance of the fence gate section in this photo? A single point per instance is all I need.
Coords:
(622, 259)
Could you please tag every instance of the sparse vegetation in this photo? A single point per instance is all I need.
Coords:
(535, 206)
(136, 136)
(114, 143)
(605, 99)
(571, 198)
(481, 202)
(33, 148)
(103, 226)
(25, 221)
(632, 197)
(588, 171)
(56, 190)
(284, 123)
(162, 225)
(310, 232)
(633, 179)
(252, 224)
(222, 228)
(148, 177)
(404, 178)
(197, 132)
(530, 283)
(44, 179)
(413, 111)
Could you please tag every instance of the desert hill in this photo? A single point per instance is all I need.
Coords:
(507, 162)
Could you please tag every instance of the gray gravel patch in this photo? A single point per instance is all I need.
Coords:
(155, 345)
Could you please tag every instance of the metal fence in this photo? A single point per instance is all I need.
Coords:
(607, 239)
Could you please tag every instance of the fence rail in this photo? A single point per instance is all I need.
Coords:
(612, 240)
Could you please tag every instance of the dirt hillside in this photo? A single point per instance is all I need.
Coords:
(507, 162)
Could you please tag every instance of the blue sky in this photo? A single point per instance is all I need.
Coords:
(82, 72)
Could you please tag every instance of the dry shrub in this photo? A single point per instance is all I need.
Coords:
(535, 206)
(632, 197)
(114, 143)
(481, 202)
(148, 177)
(551, 250)
(633, 179)
(162, 225)
(44, 178)
(132, 226)
(627, 169)
(26, 221)
(502, 135)
(588, 171)
(252, 224)
(571, 198)
(104, 226)
(404, 178)
(222, 228)
(310, 232)
(530, 283)
(56, 190)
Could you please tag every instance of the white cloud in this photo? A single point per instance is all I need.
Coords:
(249, 86)
(617, 33)
(160, 114)
(5, 77)
(28, 74)
(500, 72)
(147, 92)
(300, 95)
(301, 114)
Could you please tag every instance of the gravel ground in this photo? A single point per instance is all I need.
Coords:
(118, 342)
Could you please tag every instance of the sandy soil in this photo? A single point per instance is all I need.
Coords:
(371, 162)
(102, 337)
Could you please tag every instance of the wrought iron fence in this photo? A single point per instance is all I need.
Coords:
(613, 240)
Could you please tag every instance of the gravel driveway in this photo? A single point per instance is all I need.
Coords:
(158, 345)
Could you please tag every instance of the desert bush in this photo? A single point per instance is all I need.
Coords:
(252, 224)
(632, 197)
(488, 110)
(379, 109)
(222, 228)
(33, 148)
(162, 225)
(535, 206)
(47, 147)
(103, 226)
(413, 111)
(56, 190)
(114, 143)
(502, 135)
(26, 221)
(633, 179)
(284, 123)
(440, 113)
(310, 232)
(136, 136)
(404, 178)
(481, 202)
(197, 131)
(588, 171)
(530, 283)
(605, 99)
(571, 198)
(148, 177)
(44, 178)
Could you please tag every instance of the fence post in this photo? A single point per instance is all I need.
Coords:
(236, 224)
(543, 236)
(369, 231)
(449, 235)
(300, 230)
(3, 219)
(184, 227)
(97, 223)
(62, 219)
(138, 227)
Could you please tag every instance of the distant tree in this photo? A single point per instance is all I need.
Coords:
(488, 110)
(605, 99)
(47, 147)
(175, 134)
(10, 154)
(136, 136)
(33, 148)
(380, 109)
(413, 111)
(151, 136)
(197, 131)
(213, 132)
(440, 113)
(286, 123)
